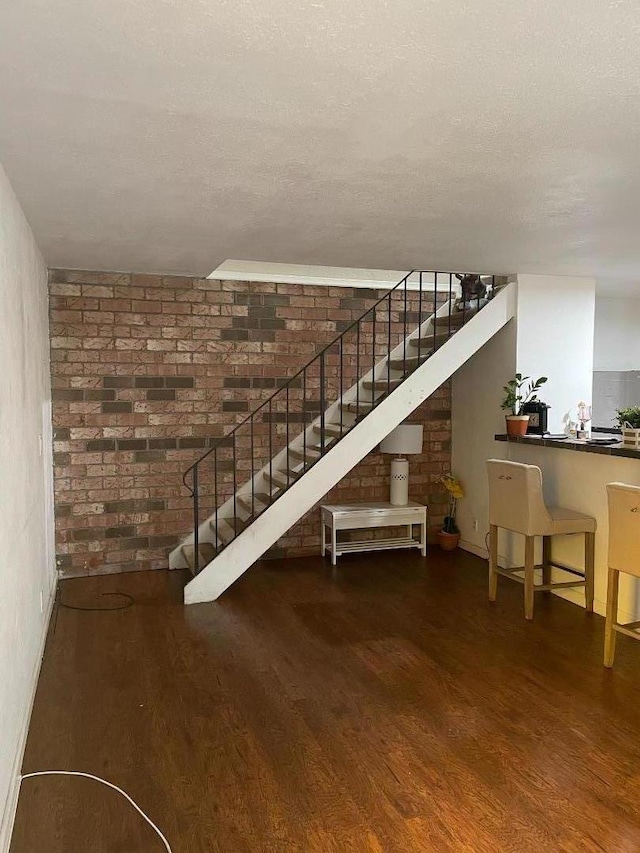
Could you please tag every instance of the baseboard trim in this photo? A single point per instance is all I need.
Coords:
(474, 549)
(11, 803)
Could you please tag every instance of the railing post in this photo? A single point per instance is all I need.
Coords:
(404, 332)
(389, 343)
(435, 306)
(287, 414)
(215, 491)
(373, 360)
(420, 318)
(358, 370)
(196, 523)
(253, 485)
(341, 378)
(322, 404)
(235, 513)
(304, 418)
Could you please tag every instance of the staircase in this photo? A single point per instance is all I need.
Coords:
(258, 480)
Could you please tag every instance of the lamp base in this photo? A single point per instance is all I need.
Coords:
(399, 492)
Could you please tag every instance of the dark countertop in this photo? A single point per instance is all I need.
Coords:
(573, 444)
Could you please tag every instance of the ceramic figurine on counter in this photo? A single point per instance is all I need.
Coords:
(584, 416)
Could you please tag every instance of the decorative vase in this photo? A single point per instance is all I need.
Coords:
(517, 424)
(447, 541)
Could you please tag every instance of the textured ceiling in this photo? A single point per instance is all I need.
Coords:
(168, 135)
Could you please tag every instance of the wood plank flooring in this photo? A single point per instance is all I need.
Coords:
(391, 710)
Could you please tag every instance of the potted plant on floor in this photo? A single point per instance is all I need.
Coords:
(629, 423)
(449, 536)
(517, 393)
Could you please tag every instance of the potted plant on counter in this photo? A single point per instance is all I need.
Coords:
(449, 536)
(517, 393)
(629, 423)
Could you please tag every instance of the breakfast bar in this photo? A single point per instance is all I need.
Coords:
(575, 474)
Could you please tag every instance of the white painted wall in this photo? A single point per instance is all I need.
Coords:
(617, 334)
(27, 567)
(475, 418)
(555, 339)
(553, 336)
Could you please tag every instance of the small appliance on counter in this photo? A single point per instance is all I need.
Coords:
(537, 411)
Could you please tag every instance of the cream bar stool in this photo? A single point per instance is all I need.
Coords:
(516, 503)
(624, 556)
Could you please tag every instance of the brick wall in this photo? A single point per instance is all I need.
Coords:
(148, 370)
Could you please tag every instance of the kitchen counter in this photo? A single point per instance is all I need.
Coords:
(574, 444)
(578, 480)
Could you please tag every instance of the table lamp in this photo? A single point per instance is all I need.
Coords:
(403, 440)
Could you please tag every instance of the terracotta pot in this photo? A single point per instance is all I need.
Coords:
(447, 541)
(517, 424)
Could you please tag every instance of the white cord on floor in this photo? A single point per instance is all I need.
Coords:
(109, 785)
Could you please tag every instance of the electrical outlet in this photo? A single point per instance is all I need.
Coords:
(475, 525)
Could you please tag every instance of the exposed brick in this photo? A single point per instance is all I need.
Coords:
(118, 381)
(101, 444)
(132, 444)
(148, 382)
(151, 371)
(119, 532)
(161, 394)
(67, 394)
(237, 382)
(100, 394)
(179, 382)
(116, 408)
(234, 335)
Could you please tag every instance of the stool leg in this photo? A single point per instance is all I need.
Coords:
(529, 569)
(589, 564)
(493, 562)
(546, 558)
(611, 618)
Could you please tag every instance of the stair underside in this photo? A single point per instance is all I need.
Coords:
(393, 399)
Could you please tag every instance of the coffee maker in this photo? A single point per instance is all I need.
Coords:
(537, 411)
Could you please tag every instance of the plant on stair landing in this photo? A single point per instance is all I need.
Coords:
(449, 536)
(517, 393)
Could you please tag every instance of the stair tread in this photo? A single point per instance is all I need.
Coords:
(355, 406)
(382, 383)
(207, 552)
(299, 454)
(259, 499)
(273, 478)
(410, 359)
(429, 340)
(332, 429)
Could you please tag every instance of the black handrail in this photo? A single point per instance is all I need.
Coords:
(295, 375)
(370, 315)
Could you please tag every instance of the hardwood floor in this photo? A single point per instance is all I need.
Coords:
(393, 709)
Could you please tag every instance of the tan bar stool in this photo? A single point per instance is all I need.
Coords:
(516, 503)
(624, 556)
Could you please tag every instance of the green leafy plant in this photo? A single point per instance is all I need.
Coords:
(517, 392)
(629, 417)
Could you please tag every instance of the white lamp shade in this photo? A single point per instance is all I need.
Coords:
(404, 439)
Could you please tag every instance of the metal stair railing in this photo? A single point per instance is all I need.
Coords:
(361, 350)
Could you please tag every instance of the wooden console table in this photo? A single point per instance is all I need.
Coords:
(368, 515)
